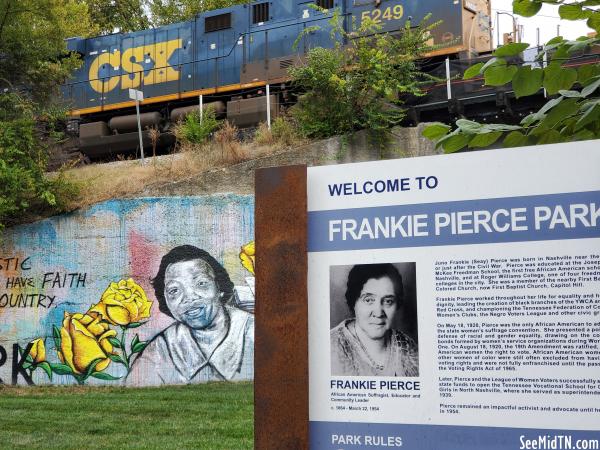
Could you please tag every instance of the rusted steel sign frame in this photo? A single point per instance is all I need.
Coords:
(281, 332)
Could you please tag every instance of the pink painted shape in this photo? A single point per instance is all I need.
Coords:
(144, 261)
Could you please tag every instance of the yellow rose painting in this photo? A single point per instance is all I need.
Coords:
(87, 343)
(38, 351)
(84, 340)
(123, 303)
(36, 358)
(247, 256)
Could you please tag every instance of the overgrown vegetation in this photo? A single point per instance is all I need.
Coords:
(24, 187)
(226, 140)
(33, 63)
(211, 416)
(572, 112)
(134, 15)
(192, 130)
(357, 85)
(100, 182)
(33, 57)
(283, 132)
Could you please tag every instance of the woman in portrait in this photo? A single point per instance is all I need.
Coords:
(366, 344)
(210, 339)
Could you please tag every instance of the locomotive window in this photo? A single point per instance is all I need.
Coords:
(216, 23)
(325, 4)
(260, 12)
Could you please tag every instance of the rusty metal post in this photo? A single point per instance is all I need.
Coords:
(281, 333)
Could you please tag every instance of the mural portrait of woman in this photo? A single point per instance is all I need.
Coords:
(210, 339)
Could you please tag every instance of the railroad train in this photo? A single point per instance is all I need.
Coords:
(228, 57)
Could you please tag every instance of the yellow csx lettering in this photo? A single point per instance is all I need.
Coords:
(378, 15)
(131, 60)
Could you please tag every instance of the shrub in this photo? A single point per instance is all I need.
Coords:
(226, 138)
(283, 131)
(24, 188)
(358, 85)
(54, 118)
(263, 135)
(13, 106)
(192, 130)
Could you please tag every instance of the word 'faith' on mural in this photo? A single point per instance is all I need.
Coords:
(19, 287)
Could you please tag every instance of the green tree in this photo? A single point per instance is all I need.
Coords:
(134, 15)
(33, 63)
(24, 187)
(573, 110)
(32, 43)
(164, 12)
(118, 15)
(357, 85)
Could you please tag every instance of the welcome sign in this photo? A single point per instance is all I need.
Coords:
(454, 301)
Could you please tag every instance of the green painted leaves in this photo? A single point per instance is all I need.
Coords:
(61, 369)
(104, 376)
(137, 346)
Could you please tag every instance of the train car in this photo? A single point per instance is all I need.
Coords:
(228, 56)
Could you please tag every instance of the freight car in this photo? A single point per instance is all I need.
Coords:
(228, 57)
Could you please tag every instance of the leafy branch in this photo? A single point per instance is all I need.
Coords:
(572, 112)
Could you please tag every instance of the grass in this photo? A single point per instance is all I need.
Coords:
(209, 416)
(100, 182)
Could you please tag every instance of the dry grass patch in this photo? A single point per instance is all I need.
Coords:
(202, 146)
(231, 149)
(283, 133)
(101, 182)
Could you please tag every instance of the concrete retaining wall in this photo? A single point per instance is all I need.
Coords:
(82, 283)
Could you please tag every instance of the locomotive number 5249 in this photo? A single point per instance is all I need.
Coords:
(379, 15)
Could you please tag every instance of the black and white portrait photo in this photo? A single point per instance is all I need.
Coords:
(373, 320)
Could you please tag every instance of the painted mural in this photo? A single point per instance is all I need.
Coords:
(137, 292)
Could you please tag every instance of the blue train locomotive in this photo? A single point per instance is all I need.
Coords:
(228, 56)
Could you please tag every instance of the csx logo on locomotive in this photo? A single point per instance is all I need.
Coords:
(135, 61)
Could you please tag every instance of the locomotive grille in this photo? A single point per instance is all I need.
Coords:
(260, 12)
(216, 23)
(325, 4)
(286, 64)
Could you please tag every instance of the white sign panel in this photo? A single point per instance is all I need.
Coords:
(134, 94)
(454, 301)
